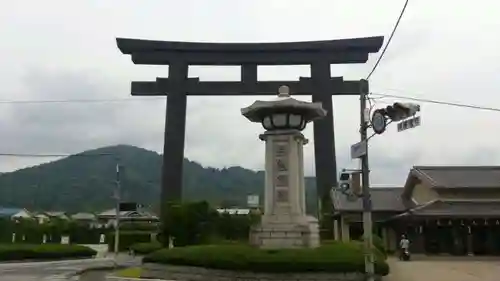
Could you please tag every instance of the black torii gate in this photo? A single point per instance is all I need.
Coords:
(180, 55)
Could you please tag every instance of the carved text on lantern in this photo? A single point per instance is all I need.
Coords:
(282, 195)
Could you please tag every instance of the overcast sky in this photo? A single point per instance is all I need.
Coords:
(52, 50)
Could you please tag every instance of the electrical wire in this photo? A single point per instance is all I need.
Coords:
(440, 102)
(56, 155)
(388, 41)
(371, 102)
(79, 100)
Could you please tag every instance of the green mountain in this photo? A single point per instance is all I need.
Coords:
(87, 183)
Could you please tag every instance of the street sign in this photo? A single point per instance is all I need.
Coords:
(64, 239)
(359, 149)
(409, 124)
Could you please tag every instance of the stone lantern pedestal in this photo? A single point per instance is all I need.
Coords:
(284, 223)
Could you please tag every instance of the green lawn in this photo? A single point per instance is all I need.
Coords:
(131, 272)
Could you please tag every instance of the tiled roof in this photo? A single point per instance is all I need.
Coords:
(461, 208)
(383, 199)
(459, 176)
(112, 213)
(40, 215)
(83, 216)
(139, 213)
(55, 214)
(8, 212)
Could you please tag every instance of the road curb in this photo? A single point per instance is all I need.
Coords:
(117, 278)
(96, 268)
(45, 261)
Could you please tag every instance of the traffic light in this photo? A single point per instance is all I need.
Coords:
(350, 183)
(400, 111)
(344, 181)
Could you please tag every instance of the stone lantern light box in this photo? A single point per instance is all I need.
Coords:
(284, 223)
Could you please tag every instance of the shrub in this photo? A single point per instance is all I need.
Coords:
(6, 228)
(378, 244)
(54, 238)
(376, 250)
(189, 223)
(140, 226)
(235, 227)
(146, 248)
(335, 257)
(33, 237)
(83, 234)
(127, 239)
(43, 252)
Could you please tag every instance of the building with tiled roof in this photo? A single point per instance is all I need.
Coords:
(14, 213)
(443, 209)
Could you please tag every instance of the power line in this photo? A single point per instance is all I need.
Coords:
(156, 98)
(56, 155)
(440, 102)
(78, 100)
(388, 41)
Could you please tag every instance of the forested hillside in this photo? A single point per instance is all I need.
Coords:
(86, 183)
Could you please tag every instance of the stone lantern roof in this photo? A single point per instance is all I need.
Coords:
(309, 111)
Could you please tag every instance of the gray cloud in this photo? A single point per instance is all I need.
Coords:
(69, 53)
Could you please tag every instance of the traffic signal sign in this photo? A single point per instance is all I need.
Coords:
(408, 124)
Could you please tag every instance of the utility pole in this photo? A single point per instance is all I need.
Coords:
(365, 181)
(118, 199)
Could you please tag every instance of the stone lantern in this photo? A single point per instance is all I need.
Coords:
(284, 223)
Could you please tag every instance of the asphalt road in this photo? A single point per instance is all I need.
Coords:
(444, 269)
(48, 271)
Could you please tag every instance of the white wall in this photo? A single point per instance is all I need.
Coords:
(22, 214)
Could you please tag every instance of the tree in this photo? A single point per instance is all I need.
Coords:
(86, 183)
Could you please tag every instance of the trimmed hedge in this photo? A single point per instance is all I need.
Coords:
(127, 239)
(378, 243)
(139, 226)
(28, 231)
(43, 252)
(6, 227)
(146, 248)
(334, 257)
(81, 234)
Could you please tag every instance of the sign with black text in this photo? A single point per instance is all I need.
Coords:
(409, 124)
